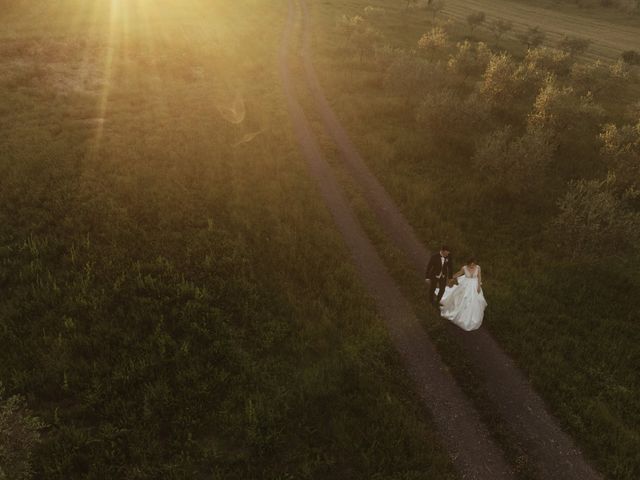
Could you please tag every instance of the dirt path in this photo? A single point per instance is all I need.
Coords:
(608, 39)
(472, 450)
(549, 448)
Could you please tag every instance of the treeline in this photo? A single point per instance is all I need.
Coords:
(543, 131)
(531, 163)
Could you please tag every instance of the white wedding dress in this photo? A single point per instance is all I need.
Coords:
(462, 304)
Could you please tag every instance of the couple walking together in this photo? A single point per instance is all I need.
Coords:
(458, 295)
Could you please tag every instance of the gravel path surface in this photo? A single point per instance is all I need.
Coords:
(472, 451)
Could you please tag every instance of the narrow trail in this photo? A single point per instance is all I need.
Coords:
(550, 449)
(468, 440)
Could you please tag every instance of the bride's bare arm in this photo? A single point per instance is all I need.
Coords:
(459, 273)
(479, 279)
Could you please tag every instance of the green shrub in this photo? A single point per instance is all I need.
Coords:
(595, 222)
(19, 436)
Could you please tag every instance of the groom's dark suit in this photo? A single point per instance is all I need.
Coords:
(438, 273)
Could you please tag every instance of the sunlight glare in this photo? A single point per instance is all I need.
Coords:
(114, 9)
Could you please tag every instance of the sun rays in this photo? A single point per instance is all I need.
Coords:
(133, 50)
(150, 43)
(107, 69)
(127, 28)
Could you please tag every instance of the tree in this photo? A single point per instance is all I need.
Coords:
(470, 59)
(500, 26)
(633, 110)
(532, 37)
(448, 115)
(347, 25)
(596, 76)
(619, 71)
(589, 77)
(19, 435)
(385, 55)
(475, 19)
(514, 165)
(433, 41)
(544, 60)
(593, 217)
(364, 40)
(502, 80)
(409, 75)
(559, 111)
(434, 6)
(553, 107)
(621, 153)
(360, 35)
(574, 45)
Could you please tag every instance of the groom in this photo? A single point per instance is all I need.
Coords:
(439, 271)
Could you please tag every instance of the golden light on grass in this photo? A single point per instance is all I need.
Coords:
(134, 48)
(126, 18)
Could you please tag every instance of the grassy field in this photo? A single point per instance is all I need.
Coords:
(569, 322)
(611, 32)
(617, 11)
(176, 303)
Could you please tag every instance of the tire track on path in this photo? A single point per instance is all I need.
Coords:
(551, 450)
(472, 450)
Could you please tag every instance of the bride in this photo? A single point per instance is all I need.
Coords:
(464, 303)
